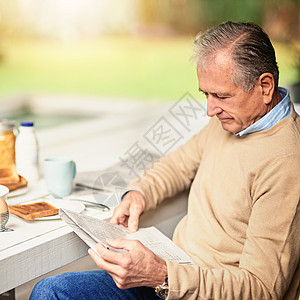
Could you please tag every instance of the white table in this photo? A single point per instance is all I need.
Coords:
(94, 144)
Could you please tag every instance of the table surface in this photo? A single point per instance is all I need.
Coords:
(35, 248)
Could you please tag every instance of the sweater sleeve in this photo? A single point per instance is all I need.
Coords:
(173, 173)
(271, 250)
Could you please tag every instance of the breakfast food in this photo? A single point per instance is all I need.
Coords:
(13, 184)
(3, 206)
(34, 210)
(8, 173)
(7, 147)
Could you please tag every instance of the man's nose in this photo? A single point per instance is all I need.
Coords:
(212, 106)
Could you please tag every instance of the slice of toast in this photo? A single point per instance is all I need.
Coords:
(34, 210)
(22, 182)
(8, 174)
(10, 178)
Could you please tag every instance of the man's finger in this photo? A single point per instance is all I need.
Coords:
(119, 243)
(112, 256)
(120, 214)
(133, 220)
(120, 219)
(103, 264)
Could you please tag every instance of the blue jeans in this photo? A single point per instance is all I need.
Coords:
(88, 285)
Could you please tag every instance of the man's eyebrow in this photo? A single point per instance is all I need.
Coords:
(224, 94)
(220, 94)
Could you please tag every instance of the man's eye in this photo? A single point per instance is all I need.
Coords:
(221, 97)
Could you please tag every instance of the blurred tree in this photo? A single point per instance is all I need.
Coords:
(282, 19)
(215, 11)
(189, 16)
(282, 22)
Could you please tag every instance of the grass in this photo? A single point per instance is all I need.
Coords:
(117, 67)
(136, 67)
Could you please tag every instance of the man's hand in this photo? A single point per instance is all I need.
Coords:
(128, 212)
(138, 266)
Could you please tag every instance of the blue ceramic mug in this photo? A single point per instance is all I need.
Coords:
(59, 174)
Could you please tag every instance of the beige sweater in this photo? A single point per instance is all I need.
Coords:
(242, 228)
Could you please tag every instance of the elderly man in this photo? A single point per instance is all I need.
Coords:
(243, 170)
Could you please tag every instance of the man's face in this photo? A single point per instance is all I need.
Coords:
(235, 108)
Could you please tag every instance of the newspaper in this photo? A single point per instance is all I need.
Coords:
(93, 231)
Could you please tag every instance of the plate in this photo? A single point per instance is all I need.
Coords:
(65, 204)
(18, 192)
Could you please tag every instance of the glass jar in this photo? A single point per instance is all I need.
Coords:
(8, 172)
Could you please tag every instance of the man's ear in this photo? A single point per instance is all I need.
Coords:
(267, 86)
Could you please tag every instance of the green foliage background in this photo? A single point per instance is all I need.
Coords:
(154, 64)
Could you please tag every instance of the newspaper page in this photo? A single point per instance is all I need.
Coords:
(93, 231)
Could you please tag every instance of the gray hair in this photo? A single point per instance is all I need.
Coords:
(251, 51)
